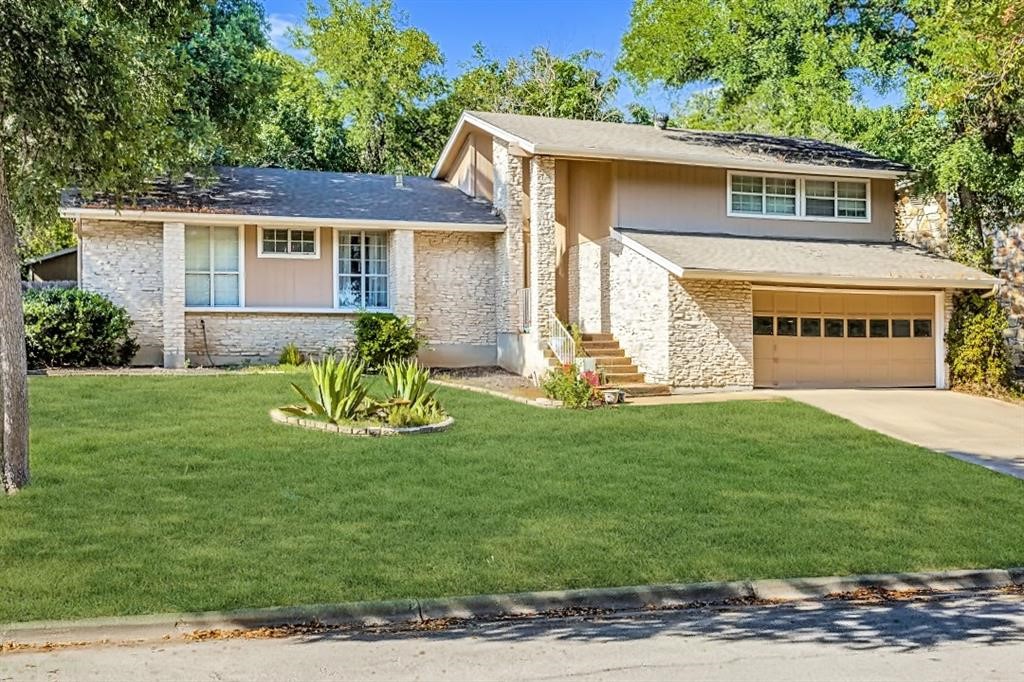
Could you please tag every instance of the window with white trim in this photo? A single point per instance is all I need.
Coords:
(289, 243)
(363, 270)
(763, 195)
(212, 266)
(779, 196)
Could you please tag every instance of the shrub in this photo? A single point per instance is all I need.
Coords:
(568, 385)
(382, 338)
(339, 391)
(410, 401)
(290, 355)
(75, 328)
(977, 353)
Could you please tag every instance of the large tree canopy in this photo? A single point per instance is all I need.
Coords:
(801, 67)
(381, 71)
(103, 94)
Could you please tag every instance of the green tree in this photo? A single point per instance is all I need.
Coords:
(305, 125)
(539, 84)
(231, 80)
(381, 71)
(98, 94)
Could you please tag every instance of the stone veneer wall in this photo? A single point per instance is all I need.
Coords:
(124, 261)
(638, 309)
(588, 299)
(233, 337)
(455, 287)
(710, 337)
(924, 222)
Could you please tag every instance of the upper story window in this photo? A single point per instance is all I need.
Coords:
(791, 197)
(362, 270)
(212, 266)
(289, 243)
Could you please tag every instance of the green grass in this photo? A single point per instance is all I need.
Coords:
(155, 494)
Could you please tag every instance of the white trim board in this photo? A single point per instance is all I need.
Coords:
(189, 218)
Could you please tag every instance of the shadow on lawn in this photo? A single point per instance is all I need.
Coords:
(901, 626)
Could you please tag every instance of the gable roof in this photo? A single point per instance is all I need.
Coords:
(630, 141)
(777, 260)
(280, 193)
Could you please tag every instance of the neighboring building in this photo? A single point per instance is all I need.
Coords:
(691, 260)
(59, 266)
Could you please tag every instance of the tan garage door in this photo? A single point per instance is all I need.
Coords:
(804, 339)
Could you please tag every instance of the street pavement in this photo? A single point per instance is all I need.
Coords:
(968, 636)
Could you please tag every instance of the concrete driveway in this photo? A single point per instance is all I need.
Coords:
(980, 430)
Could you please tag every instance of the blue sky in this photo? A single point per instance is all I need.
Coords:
(512, 27)
(507, 28)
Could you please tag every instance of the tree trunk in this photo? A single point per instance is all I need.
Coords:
(13, 365)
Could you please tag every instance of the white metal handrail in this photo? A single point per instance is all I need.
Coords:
(560, 342)
(525, 311)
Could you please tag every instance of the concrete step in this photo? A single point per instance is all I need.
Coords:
(598, 336)
(595, 347)
(638, 390)
(623, 378)
(613, 361)
(606, 353)
(618, 369)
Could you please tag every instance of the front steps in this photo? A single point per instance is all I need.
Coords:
(619, 369)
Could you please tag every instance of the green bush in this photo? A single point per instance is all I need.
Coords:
(575, 389)
(410, 400)
(382, 338)
(977, 352)
(291, 355)
(75, 328)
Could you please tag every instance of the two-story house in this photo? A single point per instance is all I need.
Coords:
(689, 260)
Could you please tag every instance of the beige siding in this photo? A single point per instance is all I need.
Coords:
(693, 199)
(293, 282)
(473, 169)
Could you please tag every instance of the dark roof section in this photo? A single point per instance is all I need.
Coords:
(789, 149)
(308, 194)
(677, 145)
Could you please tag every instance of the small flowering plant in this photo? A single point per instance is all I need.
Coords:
(573, 388)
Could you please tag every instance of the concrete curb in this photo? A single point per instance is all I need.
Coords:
(412, 611)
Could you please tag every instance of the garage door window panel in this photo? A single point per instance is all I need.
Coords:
(834, 328)
(787, 326)
(879, 329)
(856, 328)
(764, 325)
(901, 329)
(810, 326)
(923, 329)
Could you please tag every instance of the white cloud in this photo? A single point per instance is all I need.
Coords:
(280, 25)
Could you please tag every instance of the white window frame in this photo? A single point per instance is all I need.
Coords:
(212, 272)
(260, 253)
(336, 269)
(801, 197)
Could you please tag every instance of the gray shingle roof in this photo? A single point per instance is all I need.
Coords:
(312, 194)
(627, 140)
(763, 259)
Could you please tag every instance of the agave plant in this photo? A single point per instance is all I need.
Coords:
(408, 386)
(340, 393)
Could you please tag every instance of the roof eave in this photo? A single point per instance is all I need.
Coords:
(451, 146)
(765, 277)
(152, 215)
(738, 163)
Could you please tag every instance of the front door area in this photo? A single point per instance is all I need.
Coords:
(812, 339)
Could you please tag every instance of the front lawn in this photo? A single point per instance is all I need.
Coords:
(156, 494)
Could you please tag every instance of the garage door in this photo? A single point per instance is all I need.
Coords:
(809, 340)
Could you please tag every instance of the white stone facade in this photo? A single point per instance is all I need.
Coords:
(174, 295)
(455, 282)
(124, 261)
(445, 279)
(508, 247)
(638, 309)
(588, 296)
(542, 244)
(711, 338)
(234, 337)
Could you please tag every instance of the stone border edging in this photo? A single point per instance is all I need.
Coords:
(315, 425)
(416, 611)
